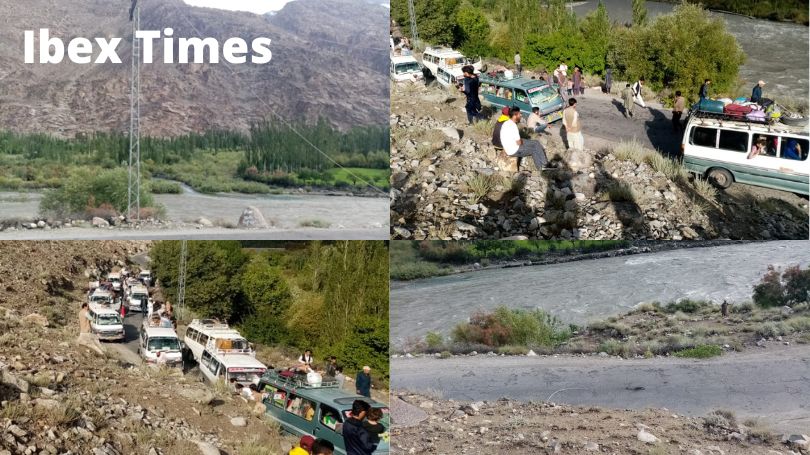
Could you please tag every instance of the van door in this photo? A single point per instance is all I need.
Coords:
(300, 415)
(329, 426)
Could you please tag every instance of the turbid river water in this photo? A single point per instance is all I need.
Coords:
(587, 290)
(777, 52)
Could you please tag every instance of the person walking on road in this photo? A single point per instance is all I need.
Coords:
(573, 126)
(518, 66)
(363, 382)
(627, 99)
(637, 92)
(355, 436)
(470, 89)
(704, 89)
(516, 147)
(677, 111)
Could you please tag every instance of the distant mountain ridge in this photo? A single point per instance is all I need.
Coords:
(329, 59)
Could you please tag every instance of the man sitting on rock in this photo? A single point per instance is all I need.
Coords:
(516, 147)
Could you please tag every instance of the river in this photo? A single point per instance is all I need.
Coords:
(777, 52)
(582, 291)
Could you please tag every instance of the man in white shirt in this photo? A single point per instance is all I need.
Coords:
(518, 66)
(536, 123)
(514, 146)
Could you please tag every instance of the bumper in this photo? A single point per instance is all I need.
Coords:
(553, 117)
(110, 336)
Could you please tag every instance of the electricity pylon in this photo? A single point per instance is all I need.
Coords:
(134, 187)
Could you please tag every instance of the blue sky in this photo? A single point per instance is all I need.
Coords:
(254, 6)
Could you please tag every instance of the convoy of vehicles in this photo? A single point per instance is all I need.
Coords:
(721, 150)
(502, 91)
(320, 411)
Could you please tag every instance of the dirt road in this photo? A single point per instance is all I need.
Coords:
(770, 383)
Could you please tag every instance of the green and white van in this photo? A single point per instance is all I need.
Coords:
(524, 93)
(720, 150)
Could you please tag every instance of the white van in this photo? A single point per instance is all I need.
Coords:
(720, 150)
(138, 294)
(115, 279)
(162, 340)
(105, 322)
(242, 368)
(101, 296)
(146, 277)
(443, 57)
(215, 336)
(405, 68)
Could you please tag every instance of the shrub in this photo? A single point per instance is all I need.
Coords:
(686, 306)
(704, 351)
(165, 187)
(434, 340)
(481, 185)
(768, 292)
(773, 329)
(86, 190)
(514, 327)
(614, 347)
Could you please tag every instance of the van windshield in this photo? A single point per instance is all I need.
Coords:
(101, 298)
(109, 319)
(542, 95)
(163, 344)
(408, 67)
(138, 297)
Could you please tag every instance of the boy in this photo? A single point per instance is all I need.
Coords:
(373, 425)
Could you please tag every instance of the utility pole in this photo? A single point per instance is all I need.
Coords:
(181, 287)
(134, 187)
(414, 32)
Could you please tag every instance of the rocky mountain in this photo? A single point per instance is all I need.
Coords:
(329, 59)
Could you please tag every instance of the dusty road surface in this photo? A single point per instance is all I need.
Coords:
(771, 383)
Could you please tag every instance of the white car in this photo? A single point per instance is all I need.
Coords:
(146, 277)
(451, 60)
(405, 68)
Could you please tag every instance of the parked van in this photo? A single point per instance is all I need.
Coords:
(137, 295)
(720, 150)
(146, 277)
(115, 279)
(163, 340)
(405, 68)
(451, 60)
(524, 93)
(101, 296)
(242, 368)
(302, 409)
(215, 336)
(105, 322)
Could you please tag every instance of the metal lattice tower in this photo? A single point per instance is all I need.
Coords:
(414, 32)
(134, 188)
(181, 286)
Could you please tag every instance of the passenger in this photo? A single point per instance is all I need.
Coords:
(496, 132)
(355, 437)
(323, 447)
(573, 126)
(470, 88)
(329, 420)
(304, 446)
(305, 360)
(637, 92)
(535, 123)
(760, 147)
(704, 89)
(756, 93)
(627, 99)
(373, 426)
(793, 150)
(508, 94)
(167, 308)
(677, 111)
(340, 377)
(331, 366)
(516, 147)
(308, 412)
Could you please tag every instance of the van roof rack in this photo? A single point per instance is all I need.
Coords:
(210, 323)
(297, 381)
(770, 125)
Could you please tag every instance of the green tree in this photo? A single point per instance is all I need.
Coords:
(639, 13)
(88, 189)
(797, 285)
(769, 293)
(267, 299)
(435, 19)
(473, 31)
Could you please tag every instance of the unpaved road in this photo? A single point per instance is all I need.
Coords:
(771, 383)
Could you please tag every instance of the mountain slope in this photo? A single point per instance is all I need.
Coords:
(325, 63)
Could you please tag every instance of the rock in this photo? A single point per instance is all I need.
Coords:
(206, 448)
(402, 232)
(238, 421)
(531, 354)
(36, 319)
(787, 311)
(100, 222)
(798, 441)
(591, 447)
(252, 218)
(579, 160)
(451, 133)
(197, 395)
(426, 405)
(457, 414)
(646, 437)
(41, 224)
(203, 221)
(482, 430)
(45, 403)
(12, 379)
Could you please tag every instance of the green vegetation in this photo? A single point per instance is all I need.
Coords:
(703, 351)
(512, 327)
(406, 264)
(675, 51)
(87, 193)
(329, 297)
(775, 10)
(165, 187)
(786, 288)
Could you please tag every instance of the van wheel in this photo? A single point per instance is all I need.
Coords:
(793, 119)
(720, 178)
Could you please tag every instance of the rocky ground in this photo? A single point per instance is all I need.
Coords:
(57, 398)
(431, 425)
(448, 182)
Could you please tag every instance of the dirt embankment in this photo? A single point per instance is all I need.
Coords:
(505, 426)
(448, 181)
(56, 397)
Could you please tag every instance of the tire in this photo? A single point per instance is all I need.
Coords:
(793, 120)
(484, 68)
(720, 178)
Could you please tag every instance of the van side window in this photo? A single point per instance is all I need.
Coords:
(279, 398)
(203, 339)
(736, 141)
(794, 149)
(520, 95)
(206, 359)
(301, 407)
(704, 137)
(330, 418)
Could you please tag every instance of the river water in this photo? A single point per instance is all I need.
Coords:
(582, 291)
(778, 53)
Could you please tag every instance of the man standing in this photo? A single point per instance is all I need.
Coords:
(355, 436)
(573, 127)
(577, 77)
(470, 90)
(86, 336)
(677, 111)
(704, 89)
(364, 382)
(637, 92)
(608, 79)
(513, 145)
(323, 447)
(627, 98)
(518, 66)
(547, 77)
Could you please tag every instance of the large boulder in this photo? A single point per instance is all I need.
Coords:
(207, 448)
(36, 319)
(578, 160)
(100, 222)
(252, 218)
(197, 395)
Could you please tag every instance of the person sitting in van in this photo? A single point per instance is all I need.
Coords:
(329, 420)
(496, 132)
(308, 411)
(304, 446)
(373, 426)
(793, 150)
(760, 147)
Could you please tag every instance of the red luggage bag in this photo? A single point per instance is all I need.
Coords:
(736, 110)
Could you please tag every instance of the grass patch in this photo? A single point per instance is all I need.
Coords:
(358, 177)
(481, 185)
(512, 327)
(164, 187)
(318, 224)
(701, 352)
(618, 192)
(634, 151)
(705, 189)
